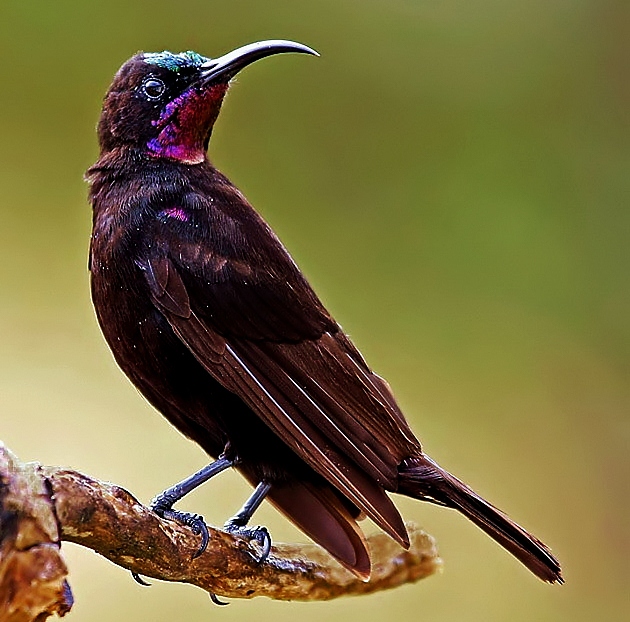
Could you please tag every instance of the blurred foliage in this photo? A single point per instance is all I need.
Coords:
(453, 177)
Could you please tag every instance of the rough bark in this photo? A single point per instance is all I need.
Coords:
(41, 506)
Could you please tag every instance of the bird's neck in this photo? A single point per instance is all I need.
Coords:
(131, 158)
(185, 125)
(132, 169)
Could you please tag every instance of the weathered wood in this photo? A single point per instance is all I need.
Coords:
(41, 506)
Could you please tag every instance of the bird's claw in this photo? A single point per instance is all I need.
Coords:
(138, 579)
(196, 524)
(194, 521)
(215, 599)
(258, 534)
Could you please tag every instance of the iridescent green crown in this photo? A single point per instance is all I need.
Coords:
(175, 62)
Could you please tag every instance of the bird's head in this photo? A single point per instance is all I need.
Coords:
(165, 104)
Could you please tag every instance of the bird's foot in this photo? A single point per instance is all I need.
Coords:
(259, 534)
(194, 521)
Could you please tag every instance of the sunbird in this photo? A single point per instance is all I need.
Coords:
(211, 319)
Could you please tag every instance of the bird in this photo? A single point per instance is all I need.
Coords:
(211, 319)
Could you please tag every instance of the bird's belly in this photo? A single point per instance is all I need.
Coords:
(174, 382)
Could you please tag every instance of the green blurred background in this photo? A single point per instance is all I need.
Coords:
(452, 176)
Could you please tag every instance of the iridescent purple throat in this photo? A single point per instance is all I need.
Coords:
(185, 123)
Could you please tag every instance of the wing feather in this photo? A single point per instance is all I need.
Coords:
(289, 421)
(321, 515)
(266, 337)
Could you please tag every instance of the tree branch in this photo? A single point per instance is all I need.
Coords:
(41, 506)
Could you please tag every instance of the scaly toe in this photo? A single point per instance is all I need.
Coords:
(194, 521)
(259, 534)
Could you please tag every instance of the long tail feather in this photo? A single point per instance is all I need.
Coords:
(421, 478)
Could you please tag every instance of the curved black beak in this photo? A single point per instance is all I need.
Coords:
(228, 65)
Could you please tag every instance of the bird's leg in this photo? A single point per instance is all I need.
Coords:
(238, 523)
(162, 505)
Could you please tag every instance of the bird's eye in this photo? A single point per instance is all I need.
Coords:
(153, 88)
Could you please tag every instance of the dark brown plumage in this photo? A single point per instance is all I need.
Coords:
(211, 319)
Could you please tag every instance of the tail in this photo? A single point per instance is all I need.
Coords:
(421, 478)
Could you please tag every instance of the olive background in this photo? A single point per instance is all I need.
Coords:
(453, 177)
